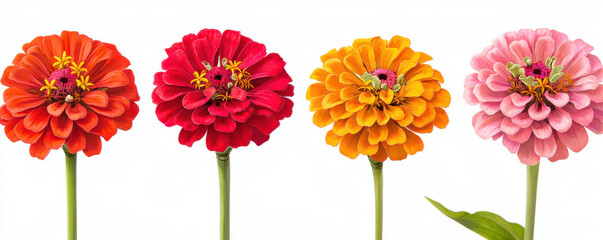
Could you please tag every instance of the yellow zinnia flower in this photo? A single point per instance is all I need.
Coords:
(378, 94)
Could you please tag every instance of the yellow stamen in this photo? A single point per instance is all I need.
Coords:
(62, 62)
(77, 69)
(200, 80)
(49, 86)
(243, 80)
(224, 97)
(83, 83)
(233, 66)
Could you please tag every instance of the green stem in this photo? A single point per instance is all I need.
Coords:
(224, 175)
(378, 179)
(531, 201)
(70, 167)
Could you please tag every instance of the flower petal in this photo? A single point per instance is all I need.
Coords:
(539, 111)
(36, 120)
(545, 147)
(224, 124)
(526, 153)
(575, 138)
(560, 120)
(75, 111)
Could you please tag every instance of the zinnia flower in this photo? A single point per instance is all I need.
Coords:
(378, 94)
(539, 91)
(70, 90)
(223, 85)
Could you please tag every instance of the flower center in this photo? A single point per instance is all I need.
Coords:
(63, 84)
(223, 78)
(387, 77)
(536, 79)
(66, 83)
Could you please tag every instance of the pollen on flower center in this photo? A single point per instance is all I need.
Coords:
(536, 79)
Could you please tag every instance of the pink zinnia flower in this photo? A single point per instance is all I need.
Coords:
(537, 90)
(222, 86)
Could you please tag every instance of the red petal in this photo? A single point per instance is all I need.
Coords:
(167, 111)
(241, 137)
(24, 77)
(270, 66)
(56, 109)
(189, 137)
(229, 43)
(238, 93)
(184, 120)
(225, 125)
(14, 92)
(168, 93)
(53, 141)
(105, 128)
(258, 137)
(202, 116)
(218, 110)
(243, 116)
(4, 113)
(75, 111)
(112, 80)
(9, 129)
(96, 98)
(39, 150)
(216, 141)
(61, 126)
(278, 83)
(196, 99)
(114, 63)
(89, 122)
(235, 106)
(176, 77)
(158, 79)
(123, 122)
(133, 111)
(213, 36)
(37, 120)
(265, 124)
(27, 136)
(114, 109)
(20, 104)
(99, 54)
(177, 60)
(251, 54)
(93, 145)
(287, 109)
(267, 99)
(286, 93)
(77, 141)
(242, 43)
(187, 44)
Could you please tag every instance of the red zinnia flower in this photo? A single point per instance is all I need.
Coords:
(225, 85)
(70, 90)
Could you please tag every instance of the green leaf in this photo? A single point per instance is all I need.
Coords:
(486, 224)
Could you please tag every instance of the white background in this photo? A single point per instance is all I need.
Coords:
(145, 185)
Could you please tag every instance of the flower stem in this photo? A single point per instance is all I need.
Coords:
(531, 201)
(378, 179)
(70, 160)
(224, 175)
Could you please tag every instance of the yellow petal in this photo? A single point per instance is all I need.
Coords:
(408, 117)
(364, 146)
(398, 42)
(333, 139)
(441, 98)
(339, 127)
(368, 56)
(319, 74)
(386, 95)
(427, 117)
(413, 143)
(395, 152)
(316, 90)
(316, 103)
(349, 78)
(352, 125)
(415, 105)
(394, 112)
(331, 100)
(349, 145)
(421, 71)
(360, 42)
(349, 92)
(332, 83)
(329, 55)
(366, 117)
(354, 63)
(322, 118)
(395, 134)
(354, 105)
(381, 154)
(378, 45)
(388, 56)
(339, 112)
(441, 119)
(413, 89)
(367, 97)
(382, 117)
(334, 66)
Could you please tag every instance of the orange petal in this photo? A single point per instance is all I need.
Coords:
(438, 76)
(331, 100)
(352, 125)
(26, 135)
(373, 134)
(364, 145)
(441, 119)
(378, 45)
(395, 152)
(398, 42)
(366, 117)
(105, 128)
(20, 104)
(381, 154)
(93, 145)
(368, 56)
(77, 141)
(37, 120)
(395, 134)
(388, 56)
(354, 105)
(56, 109)
(406, 65)
(424, 57)
(316, 90)
(354, 63)
(319, 74)
(382, 117)
(322, 118)
(113, 109)
(39, 150)
(334, 66)
(367, 98)
(386, 95)
(329, 55)
(349, 145)
(394, 112)
(89, 122)
(96, 98)
(413, 89)
(123, 122)
(430, 88)
(14, 92)
(427, 117)
(349, 92)
(333, 139)
(441, 98)
(316, 103)
(61, 126)
(413, 143)
(76, 111)
(53, 46)
(408, 117)
(98, 55)
(361, 42)
(112, 80)
(339, 127)
(416, 105)
(332, 83)
(421, 71)
(339, 112)
(53, 141)
(349, 78)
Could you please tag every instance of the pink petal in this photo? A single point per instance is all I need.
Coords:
(484, 74)
(578, 68)
(545, 147)
(586, 83)
(559, 99)
(583, 116)
(526, 153)
(541, 129)
(520, 49)
(545, 46)
(595, 95)
(501, 69)
(565, 53)
(487, 126)
(498, 83)
(560, 120)
(484, 94)
(575, 138)
(521, 136)
(508, 127)
(480, 61)
(539, 111)
(490, 108)
(520, 100)
(522, 120)
(508, 108)
(511, 146)
(469, 96)
(561, 152)
(596, 126)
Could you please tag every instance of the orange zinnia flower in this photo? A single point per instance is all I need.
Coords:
(378, 94)
(67, 90)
